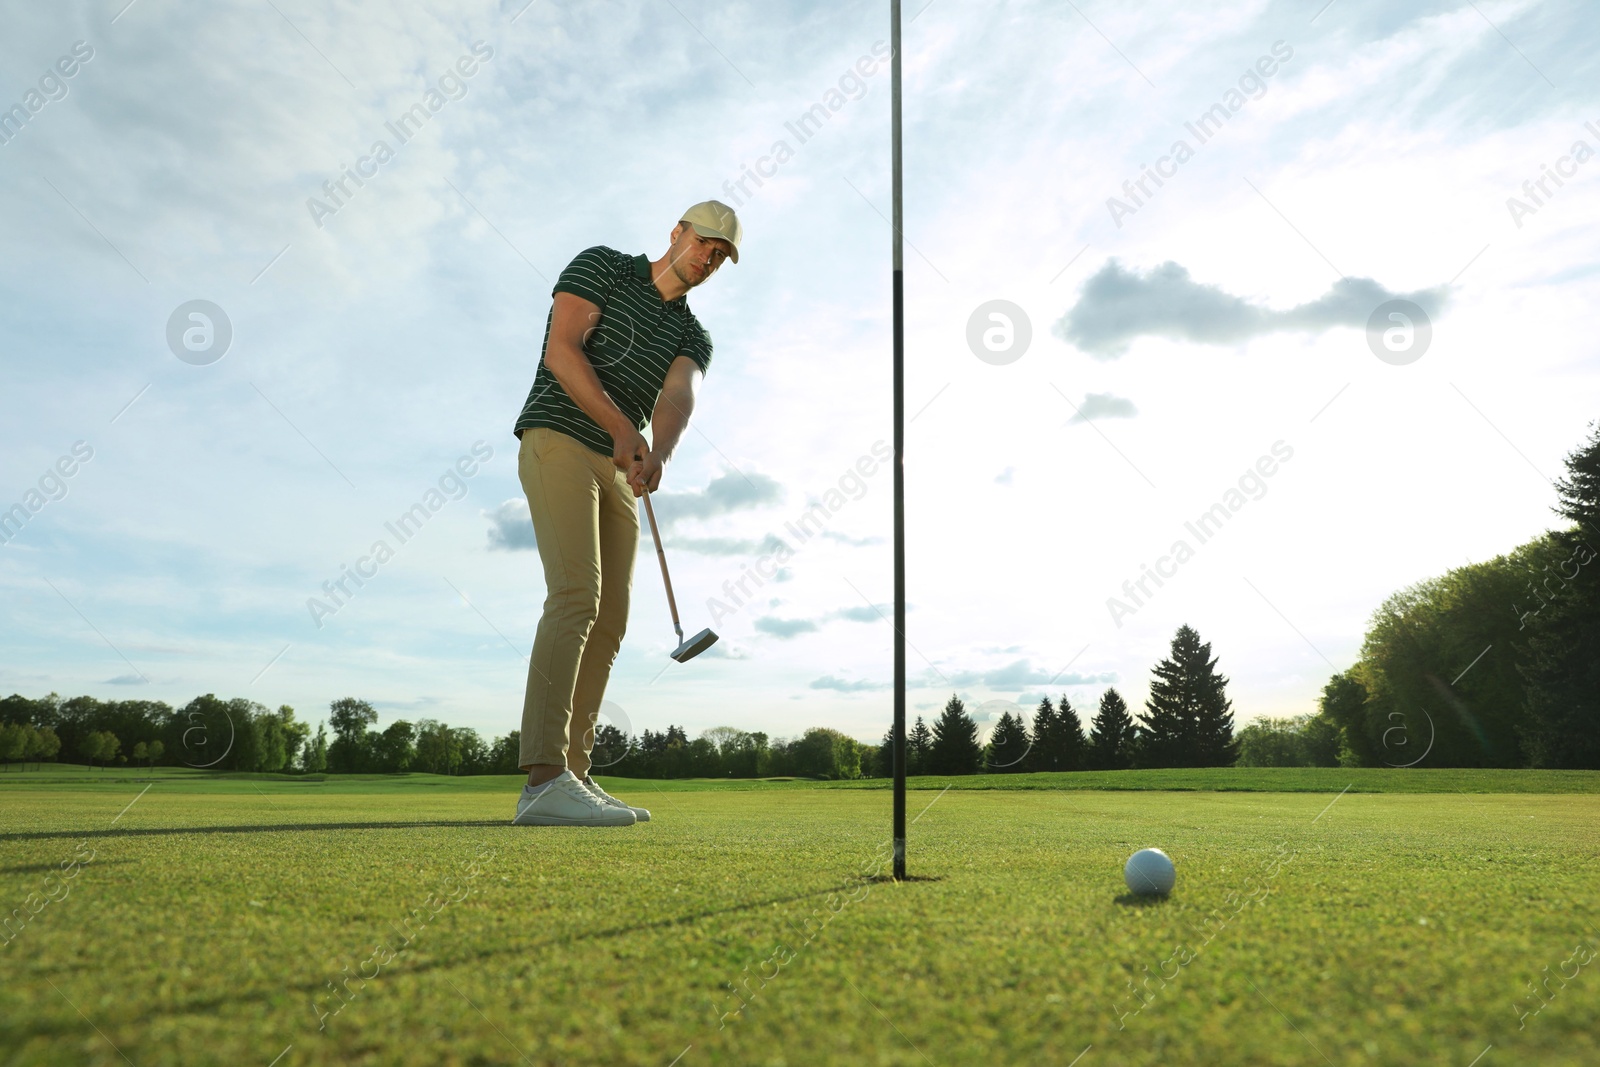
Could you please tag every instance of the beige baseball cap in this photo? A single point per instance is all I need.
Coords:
(713, 218)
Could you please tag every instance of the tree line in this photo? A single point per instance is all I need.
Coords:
(239, 735)
(1493, 664)
(1187, 722)
(728, 752)
(224, 734)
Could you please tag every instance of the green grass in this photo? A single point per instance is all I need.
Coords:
(1400, 928)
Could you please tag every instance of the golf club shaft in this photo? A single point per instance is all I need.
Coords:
(662, 556)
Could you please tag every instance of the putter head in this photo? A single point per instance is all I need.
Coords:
(694, 646)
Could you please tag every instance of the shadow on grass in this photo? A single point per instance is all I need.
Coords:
(891, 880)
(9, 1033)
(38, 868)
(1141, 900)
(247, 828)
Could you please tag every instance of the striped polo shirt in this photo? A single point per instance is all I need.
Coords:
(638, 337)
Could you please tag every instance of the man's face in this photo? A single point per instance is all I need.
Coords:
(696, 258)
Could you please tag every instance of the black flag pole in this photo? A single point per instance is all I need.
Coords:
(899, 459)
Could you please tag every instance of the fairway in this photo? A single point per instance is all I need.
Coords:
(259, 922)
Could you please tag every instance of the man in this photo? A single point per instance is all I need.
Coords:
(622, 351)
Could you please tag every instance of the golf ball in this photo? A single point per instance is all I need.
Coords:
(1150, 871)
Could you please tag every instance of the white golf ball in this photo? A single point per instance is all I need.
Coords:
(1150, 871)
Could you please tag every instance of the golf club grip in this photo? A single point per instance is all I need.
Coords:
(662, 556)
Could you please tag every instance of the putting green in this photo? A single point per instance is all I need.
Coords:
(404, 922)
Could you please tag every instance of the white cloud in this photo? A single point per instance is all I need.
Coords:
(377, 349)
(784, 629)
(727, 493)
(841, 685)
(1119, 305)
(510, 526)
(1104, 406)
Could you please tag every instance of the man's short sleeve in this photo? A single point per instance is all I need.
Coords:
(591, 275)
(696, 344)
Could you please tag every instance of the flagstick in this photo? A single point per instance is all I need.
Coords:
(899, 461)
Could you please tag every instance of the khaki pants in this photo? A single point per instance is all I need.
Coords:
(587, 526)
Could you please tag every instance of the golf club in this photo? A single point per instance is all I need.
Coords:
(701, 641)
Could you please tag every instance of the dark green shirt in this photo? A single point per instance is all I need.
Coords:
(638, 338)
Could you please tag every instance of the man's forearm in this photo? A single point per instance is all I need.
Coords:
(670, 419)
(576, 375)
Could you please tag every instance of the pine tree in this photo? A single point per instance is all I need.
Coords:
(1188, 720)
(1115, 735)
(1058, 741)
(955, 747)
(1070, 742)
(885, 761)
(919, 747)
(1167, 728)
(1008, 745)
(1044, 731)
(1563, 667)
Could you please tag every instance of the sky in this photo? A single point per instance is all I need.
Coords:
(1260, 304)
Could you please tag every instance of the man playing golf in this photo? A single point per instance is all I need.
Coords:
(622, 351)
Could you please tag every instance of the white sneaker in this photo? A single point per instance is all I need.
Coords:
(642, 814)
(567, 802)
